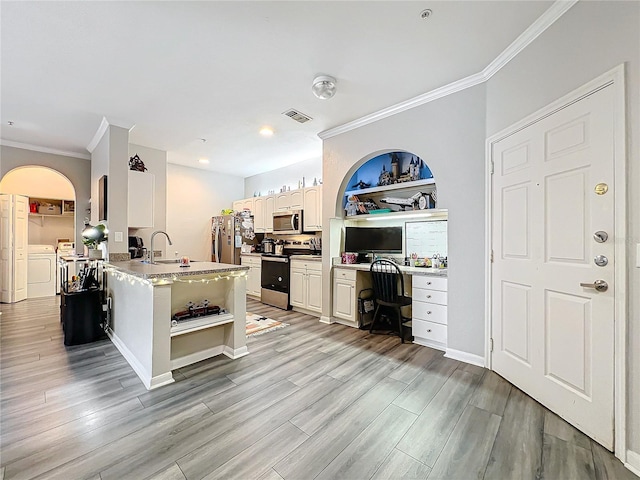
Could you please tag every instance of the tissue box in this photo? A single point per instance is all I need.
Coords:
(49, 209)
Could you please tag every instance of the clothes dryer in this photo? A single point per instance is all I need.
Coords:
(41, 271)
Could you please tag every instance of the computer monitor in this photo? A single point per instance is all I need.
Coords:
(377, 239)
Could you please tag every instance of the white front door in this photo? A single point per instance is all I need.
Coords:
(554, 338)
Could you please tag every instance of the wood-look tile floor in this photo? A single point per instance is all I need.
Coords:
(310, 401)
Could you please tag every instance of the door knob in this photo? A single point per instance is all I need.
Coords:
(599, 285)
(600, 236)
(600, 260)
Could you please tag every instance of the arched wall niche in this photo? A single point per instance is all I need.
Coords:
(365, 170)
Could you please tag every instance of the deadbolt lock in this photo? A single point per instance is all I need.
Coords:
(601, 236)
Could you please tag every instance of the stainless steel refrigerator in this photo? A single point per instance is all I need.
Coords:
(228, 233)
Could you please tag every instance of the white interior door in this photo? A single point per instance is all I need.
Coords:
(14, 218)
(554, 338)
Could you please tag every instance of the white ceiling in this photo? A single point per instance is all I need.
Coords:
(182, 71)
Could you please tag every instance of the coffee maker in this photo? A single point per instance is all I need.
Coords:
(136, 247)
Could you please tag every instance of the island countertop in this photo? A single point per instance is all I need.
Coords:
(173, 269)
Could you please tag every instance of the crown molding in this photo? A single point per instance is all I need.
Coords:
(104, 124)
(37, 148)
(404, 106)
(548, 18)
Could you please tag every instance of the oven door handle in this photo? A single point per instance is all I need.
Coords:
(275, 259)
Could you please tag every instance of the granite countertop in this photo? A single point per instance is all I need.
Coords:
(428, 272)
(251, 254)
(313, 258)
(168, 270)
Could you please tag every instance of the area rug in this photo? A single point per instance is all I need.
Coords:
(257, 325)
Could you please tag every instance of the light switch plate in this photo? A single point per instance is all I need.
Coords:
(119, 236)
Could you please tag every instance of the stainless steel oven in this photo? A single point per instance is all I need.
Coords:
(274, 281)
(287, 222)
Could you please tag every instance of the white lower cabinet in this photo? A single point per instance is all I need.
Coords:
(429, 311)
(306, 285)
(255, 271)
(347, 284)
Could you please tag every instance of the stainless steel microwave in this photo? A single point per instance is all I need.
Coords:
(287, 222)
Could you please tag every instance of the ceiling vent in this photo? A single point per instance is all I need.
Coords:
(297, 116)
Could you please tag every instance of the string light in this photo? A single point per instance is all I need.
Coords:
(134, 279)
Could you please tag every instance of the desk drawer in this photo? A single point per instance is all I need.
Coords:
(429, 311)
(429, 331)
(345, 274)
(432, 283)
(431, 296)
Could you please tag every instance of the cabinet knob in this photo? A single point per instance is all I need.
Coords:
(428, 296)
(429, 313)
(428, 283)
(428, 330)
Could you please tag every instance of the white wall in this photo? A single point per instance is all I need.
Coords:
(156, 163)
(109, 157)
(590, 39)
(275, 179)
(449, 135)
(77, 170)
(193, 197)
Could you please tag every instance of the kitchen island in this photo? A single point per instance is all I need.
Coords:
(143, 299)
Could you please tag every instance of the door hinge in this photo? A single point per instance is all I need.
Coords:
(491, 256)
(491, 344)
(492, 167)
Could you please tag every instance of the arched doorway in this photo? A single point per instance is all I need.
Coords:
(52, 200)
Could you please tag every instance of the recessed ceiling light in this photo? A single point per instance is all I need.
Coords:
(204, 161)
(266, 131)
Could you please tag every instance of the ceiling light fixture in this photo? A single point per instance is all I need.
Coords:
(266, 131)
(204, 161)
(324, 87)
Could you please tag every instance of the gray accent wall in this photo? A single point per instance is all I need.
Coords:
(590, 39)
(77, 170)
(449, 135)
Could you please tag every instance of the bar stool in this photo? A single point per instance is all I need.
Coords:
(388, 287)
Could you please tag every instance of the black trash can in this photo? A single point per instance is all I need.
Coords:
(81, 315)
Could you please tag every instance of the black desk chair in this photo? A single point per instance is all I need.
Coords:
(388, 287)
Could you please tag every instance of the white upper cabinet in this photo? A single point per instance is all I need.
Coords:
(312, 209)
(269, 208)
(259, 214)
(292, 200)
(141, 199)
(247, 204)
(237, 205)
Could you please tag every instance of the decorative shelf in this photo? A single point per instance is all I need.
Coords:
(395, 186)
(200, 323)
(426, 213)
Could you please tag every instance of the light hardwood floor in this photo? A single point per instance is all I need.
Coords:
(310, 401)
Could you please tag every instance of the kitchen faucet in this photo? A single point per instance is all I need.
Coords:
(151, 246)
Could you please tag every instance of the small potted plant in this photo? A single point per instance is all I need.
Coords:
(92, 237)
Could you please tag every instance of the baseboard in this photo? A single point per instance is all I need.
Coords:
(326, 320)
(633, 462)
(236, 353)
(341, 321)
(427, 343)
(465, 357)
(306, 312)
(196, 357)
(147, 380)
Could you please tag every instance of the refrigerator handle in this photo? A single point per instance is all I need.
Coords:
(216, 243)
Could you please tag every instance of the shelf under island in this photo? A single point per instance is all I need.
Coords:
(144, 298)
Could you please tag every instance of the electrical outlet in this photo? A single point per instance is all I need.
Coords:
(119, 237)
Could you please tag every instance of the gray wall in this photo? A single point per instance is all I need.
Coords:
(289, 176)
(77, 170)
(449, 135)
(590, 39)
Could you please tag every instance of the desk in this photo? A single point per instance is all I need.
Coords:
(426, 286)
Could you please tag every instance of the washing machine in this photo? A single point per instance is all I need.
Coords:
(41, 271)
